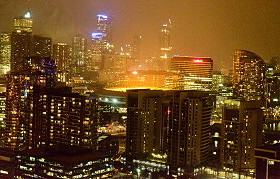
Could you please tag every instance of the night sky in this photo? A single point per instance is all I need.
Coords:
(212, 28)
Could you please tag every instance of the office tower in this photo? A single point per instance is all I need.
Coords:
(165, 46)
(189, 117)
(5, 52)
(192, 66)
(41, 46)
(62, 54)
(249, 75)
(78, 55)
(21, 42)
(23, 23)
(195, 72)
(242, 133)
(267, 161)
(104, 27)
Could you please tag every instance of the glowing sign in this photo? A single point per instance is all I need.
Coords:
(198, 61)
(27, 15)
(102, 16)
(97, 35)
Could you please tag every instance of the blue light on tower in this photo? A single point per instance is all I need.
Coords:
(102, 16)
(97, 35)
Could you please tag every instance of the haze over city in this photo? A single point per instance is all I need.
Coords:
(140, 89)
(200, 28)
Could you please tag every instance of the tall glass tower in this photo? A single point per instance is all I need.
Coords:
(165, 47)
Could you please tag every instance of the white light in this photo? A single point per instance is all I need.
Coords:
(115, 100)
(27, 15)
(134, 72)
(106, 99)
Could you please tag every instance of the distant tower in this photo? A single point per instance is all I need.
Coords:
(165, 47)
(21, 42)
(78, 54)
(104, 26)
(5, 52)
(249, 75)
(23, 23)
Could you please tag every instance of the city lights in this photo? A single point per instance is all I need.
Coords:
(125, 95)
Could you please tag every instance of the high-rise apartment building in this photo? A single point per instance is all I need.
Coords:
(5, 52)
(145, 122)
(189, 130)
(23, 104)
(172, 125)
(165, 46)
(242, 133)
(249, 75)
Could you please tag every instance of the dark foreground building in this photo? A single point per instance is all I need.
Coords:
(57, 162)
(268, 162)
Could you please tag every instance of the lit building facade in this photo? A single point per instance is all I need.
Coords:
(78, 54)
(165, 46)
(195, 72)
(249, 76)
(23, 121)
(62, 54)
(24, 23)
(5, 52)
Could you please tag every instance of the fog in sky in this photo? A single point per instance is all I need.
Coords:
(212, 28)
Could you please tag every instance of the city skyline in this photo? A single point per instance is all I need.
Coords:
(200, 28)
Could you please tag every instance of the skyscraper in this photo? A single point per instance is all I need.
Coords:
(104, 26)
(165, 46)
(78, 54)
(5, 52)
(249, 75)
(172, 125)
(21, 42)
(189, 130)
(242, 133)
(62, 54)
(23, 104)
(24, 23)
